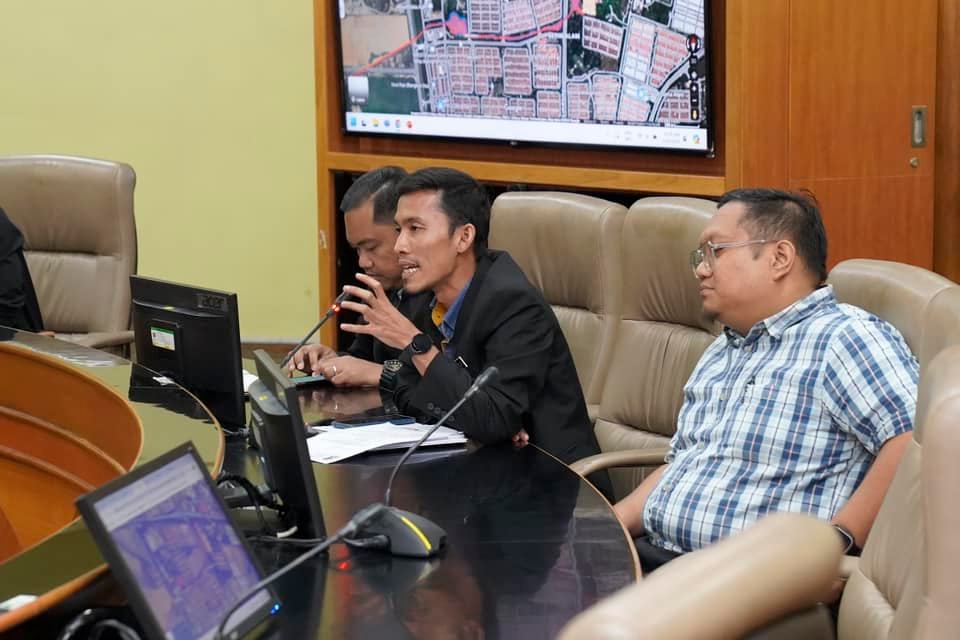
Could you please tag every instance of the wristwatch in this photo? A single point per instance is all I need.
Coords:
(421, 343)
(388, 377)
(849, 542)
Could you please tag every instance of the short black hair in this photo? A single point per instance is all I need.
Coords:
(772, 214)
(381, 185)
(461, 198)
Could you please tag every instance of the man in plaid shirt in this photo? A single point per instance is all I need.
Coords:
(802, 404)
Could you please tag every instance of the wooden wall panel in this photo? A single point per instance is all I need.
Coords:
(855, 71)
(869, 218)
(758, 82)
(946, 250)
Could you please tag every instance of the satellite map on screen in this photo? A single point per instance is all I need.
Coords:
(621, 62)
(180, 548)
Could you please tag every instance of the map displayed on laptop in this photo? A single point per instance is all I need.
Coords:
(180, 548)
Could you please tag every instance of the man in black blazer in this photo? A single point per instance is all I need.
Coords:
(368, 208)
(484, 312)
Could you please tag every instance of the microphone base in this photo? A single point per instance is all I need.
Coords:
(408, 534)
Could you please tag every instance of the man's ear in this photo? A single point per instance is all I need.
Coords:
(466, 234)
(783, 259)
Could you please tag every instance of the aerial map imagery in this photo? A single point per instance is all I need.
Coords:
(612, 62)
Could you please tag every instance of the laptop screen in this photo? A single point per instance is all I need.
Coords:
(173, 548)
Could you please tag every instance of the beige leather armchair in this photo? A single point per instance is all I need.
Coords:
(76, 215)
(941, 325)
(568, 245)
(897, 292)
(907, 582)
(660, 336)
(782, 564)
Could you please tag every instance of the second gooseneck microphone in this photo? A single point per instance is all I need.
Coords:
(404, 533)
(332, 311)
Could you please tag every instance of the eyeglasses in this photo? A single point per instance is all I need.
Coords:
(707, 252)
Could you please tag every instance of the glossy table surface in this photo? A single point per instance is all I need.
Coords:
(169, 415)
(530, 543)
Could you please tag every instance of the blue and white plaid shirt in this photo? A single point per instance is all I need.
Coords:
(786, 418)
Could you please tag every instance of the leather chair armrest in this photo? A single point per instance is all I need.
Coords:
(848, 565)
(783, 563)
(627, 458)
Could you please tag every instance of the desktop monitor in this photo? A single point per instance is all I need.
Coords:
(174, 550)
(191, 335)
(633, 75)
(281, 433)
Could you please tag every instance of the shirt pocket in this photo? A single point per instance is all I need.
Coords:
(777, 421)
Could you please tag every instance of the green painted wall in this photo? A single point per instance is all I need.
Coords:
(211, 102)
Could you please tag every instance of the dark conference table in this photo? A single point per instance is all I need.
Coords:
(530, 543)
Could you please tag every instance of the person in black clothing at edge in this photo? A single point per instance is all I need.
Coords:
(18, 300)
(368, 207)
(483, 312)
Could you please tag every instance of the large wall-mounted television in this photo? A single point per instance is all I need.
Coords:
(612, 73)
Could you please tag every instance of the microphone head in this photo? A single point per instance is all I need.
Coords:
(335, 307)
(487, 375)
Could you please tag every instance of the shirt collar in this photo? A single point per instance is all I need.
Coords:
(779, 322)
(449, 323)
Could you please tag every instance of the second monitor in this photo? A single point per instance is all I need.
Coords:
(278, 426)
(191, 335)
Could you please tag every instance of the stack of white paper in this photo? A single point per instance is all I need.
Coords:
(331, 444)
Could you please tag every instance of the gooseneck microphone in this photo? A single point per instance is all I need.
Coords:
(488, 374)
(407, 534)
(348, 529)
(332, 311)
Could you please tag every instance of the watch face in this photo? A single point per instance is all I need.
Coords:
(421, 343)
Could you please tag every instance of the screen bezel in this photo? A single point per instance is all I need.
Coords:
(284, 392)
(708, 103)
(118, 564)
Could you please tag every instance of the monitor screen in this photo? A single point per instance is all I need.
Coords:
(168, 538)
(192, 336)
(281, 433)
(622, 73)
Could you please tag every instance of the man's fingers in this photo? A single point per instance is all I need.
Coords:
(357, 328)
(373, 283)
(359, 307)
(357, 292)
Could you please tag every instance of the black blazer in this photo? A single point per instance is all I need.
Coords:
(505, 321)
(18, 300)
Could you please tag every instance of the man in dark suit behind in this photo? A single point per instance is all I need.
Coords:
(18, 300)
(484, 312)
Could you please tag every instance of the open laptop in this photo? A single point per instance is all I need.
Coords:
(181, 561)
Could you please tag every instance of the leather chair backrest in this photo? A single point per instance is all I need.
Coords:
(906, 584)
(662, 331)
(76, 215)
(941, 325)
(896, 292)
(568, 245)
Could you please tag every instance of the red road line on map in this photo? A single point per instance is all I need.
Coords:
(387, 55)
